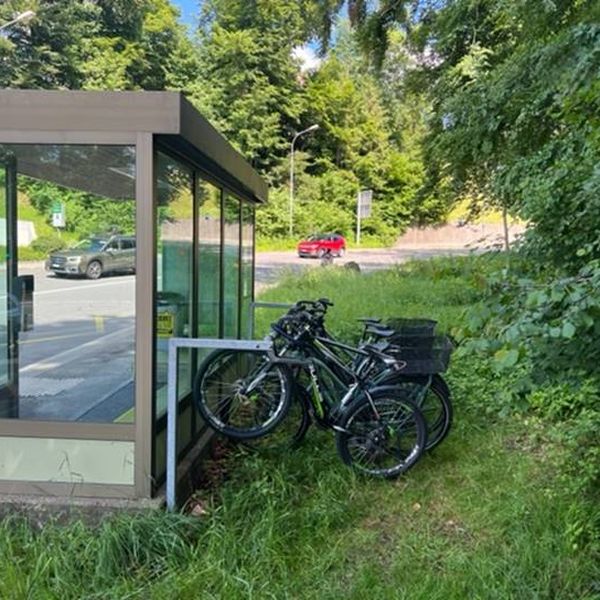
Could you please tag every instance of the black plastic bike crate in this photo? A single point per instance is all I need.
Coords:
(418, 341)
(432, 356)
(410, 327)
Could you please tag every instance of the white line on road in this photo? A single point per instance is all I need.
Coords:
(84, 287)
(53, 362)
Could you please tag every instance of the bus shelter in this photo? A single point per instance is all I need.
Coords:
(125, 219)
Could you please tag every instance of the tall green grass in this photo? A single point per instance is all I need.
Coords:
(484, 516)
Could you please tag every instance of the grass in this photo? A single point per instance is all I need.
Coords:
(489, 216)
(287, 244)
(481, 517)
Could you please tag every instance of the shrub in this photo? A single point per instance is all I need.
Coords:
(48, 243)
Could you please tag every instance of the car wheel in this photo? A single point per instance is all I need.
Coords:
(321, 253)
(341, 252)
(94, 270)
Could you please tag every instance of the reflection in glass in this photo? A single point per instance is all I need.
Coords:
(208, 198)
(231, 266)
(174, 271)
(247, 291)
(76, 356)
(8, 400)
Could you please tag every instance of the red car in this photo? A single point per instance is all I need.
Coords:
(318, 245)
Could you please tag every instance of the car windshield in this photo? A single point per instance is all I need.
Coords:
(91, 244)
(316, 238)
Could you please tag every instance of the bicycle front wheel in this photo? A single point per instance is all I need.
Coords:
(383, 437)
(242, 393)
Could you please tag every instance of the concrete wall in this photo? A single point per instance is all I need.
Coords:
(457, 236)
(25, 232)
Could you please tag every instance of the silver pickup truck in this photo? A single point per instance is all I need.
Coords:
(94, 256)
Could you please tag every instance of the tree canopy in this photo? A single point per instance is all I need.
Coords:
(426, 102)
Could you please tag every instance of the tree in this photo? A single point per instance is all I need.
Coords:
(116, 44)
(48, 51)
(516, 101)
(249, 81)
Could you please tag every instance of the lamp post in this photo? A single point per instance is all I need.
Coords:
(307, 130)
(24, 16)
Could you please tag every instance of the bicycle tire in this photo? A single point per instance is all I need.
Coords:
(222, 396)
(435, 404)
(438, 430)
(290, 433)
(362, 434)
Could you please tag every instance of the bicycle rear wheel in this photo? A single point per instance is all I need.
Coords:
(242, 393)
(436, 406)
(384, 438)
(432, 396)
(289, 434)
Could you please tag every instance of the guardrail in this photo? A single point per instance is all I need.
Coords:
(175, 344)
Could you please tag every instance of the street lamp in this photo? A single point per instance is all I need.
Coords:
(307, 130)
(24, 16)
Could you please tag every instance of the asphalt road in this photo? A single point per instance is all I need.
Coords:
(69, 313)
(77, 361)
(270, 265)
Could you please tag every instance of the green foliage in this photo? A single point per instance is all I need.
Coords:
(516, 104)
(248, 86)
(495, 490)
(122, 44)
(45, 244)
(85, 214)
(553, 323)
(253, 91)
(48, 51)
(540, 335)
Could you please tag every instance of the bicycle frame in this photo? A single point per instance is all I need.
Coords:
(385, 377)
(321, 356)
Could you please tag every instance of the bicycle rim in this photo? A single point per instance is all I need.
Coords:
(241, 394)
(384, 442)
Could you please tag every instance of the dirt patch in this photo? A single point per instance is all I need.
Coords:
(213, 471)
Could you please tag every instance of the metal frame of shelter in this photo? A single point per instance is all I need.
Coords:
(148, 122)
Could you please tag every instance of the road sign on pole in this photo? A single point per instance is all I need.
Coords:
(363, 209)
(58, 215)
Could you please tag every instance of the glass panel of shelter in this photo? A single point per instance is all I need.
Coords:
(247, 269)
(174, 271)
(73, 321)
(195, 215)
(231, 266)
(9, 401)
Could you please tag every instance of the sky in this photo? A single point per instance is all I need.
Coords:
(189, 10)
(189, 13)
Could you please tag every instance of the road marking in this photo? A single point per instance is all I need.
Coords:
(52, 363)
(99, 321)
(54, 337)
(84, 287)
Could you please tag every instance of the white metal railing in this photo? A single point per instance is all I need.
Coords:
(175, 344)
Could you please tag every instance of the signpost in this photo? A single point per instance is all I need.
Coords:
(363, 209)
(58, 215)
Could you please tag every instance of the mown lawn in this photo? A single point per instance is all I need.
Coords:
(483, 516)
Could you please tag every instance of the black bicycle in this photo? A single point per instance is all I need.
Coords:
(409, 340)
(246, 395)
